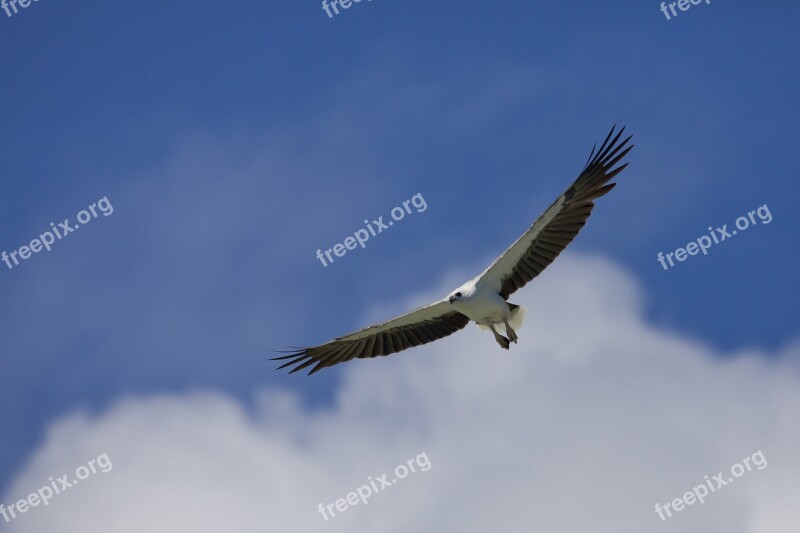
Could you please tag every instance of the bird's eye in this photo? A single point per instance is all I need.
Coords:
(458, 295)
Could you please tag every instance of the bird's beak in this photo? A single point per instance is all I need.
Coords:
(451, 299)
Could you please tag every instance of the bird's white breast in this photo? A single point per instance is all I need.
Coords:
(484, 307)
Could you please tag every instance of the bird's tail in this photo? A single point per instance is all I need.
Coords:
(515, 320)
(518, 315)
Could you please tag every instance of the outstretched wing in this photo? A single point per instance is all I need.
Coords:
(421, 326)
(558, 225)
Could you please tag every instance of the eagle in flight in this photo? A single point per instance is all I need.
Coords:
(484, 299)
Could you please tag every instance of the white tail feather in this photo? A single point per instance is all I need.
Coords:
(515, 320)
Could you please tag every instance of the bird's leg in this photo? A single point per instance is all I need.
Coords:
(502, 341)
(512, 335)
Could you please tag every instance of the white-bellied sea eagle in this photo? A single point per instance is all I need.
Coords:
(483, 299)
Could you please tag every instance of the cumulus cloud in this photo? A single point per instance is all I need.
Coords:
(584, 426)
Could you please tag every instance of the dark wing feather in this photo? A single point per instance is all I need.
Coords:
(420, 326)
(560, 223)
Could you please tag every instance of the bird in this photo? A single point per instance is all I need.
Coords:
(483, 299)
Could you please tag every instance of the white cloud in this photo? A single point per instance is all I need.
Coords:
(587, 423)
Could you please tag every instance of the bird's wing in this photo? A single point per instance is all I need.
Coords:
(558, 225)
(421, 326)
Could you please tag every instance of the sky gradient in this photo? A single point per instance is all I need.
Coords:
(233, 141)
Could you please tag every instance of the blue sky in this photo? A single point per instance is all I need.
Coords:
(234, 140)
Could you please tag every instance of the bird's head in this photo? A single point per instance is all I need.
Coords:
(461, 293)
